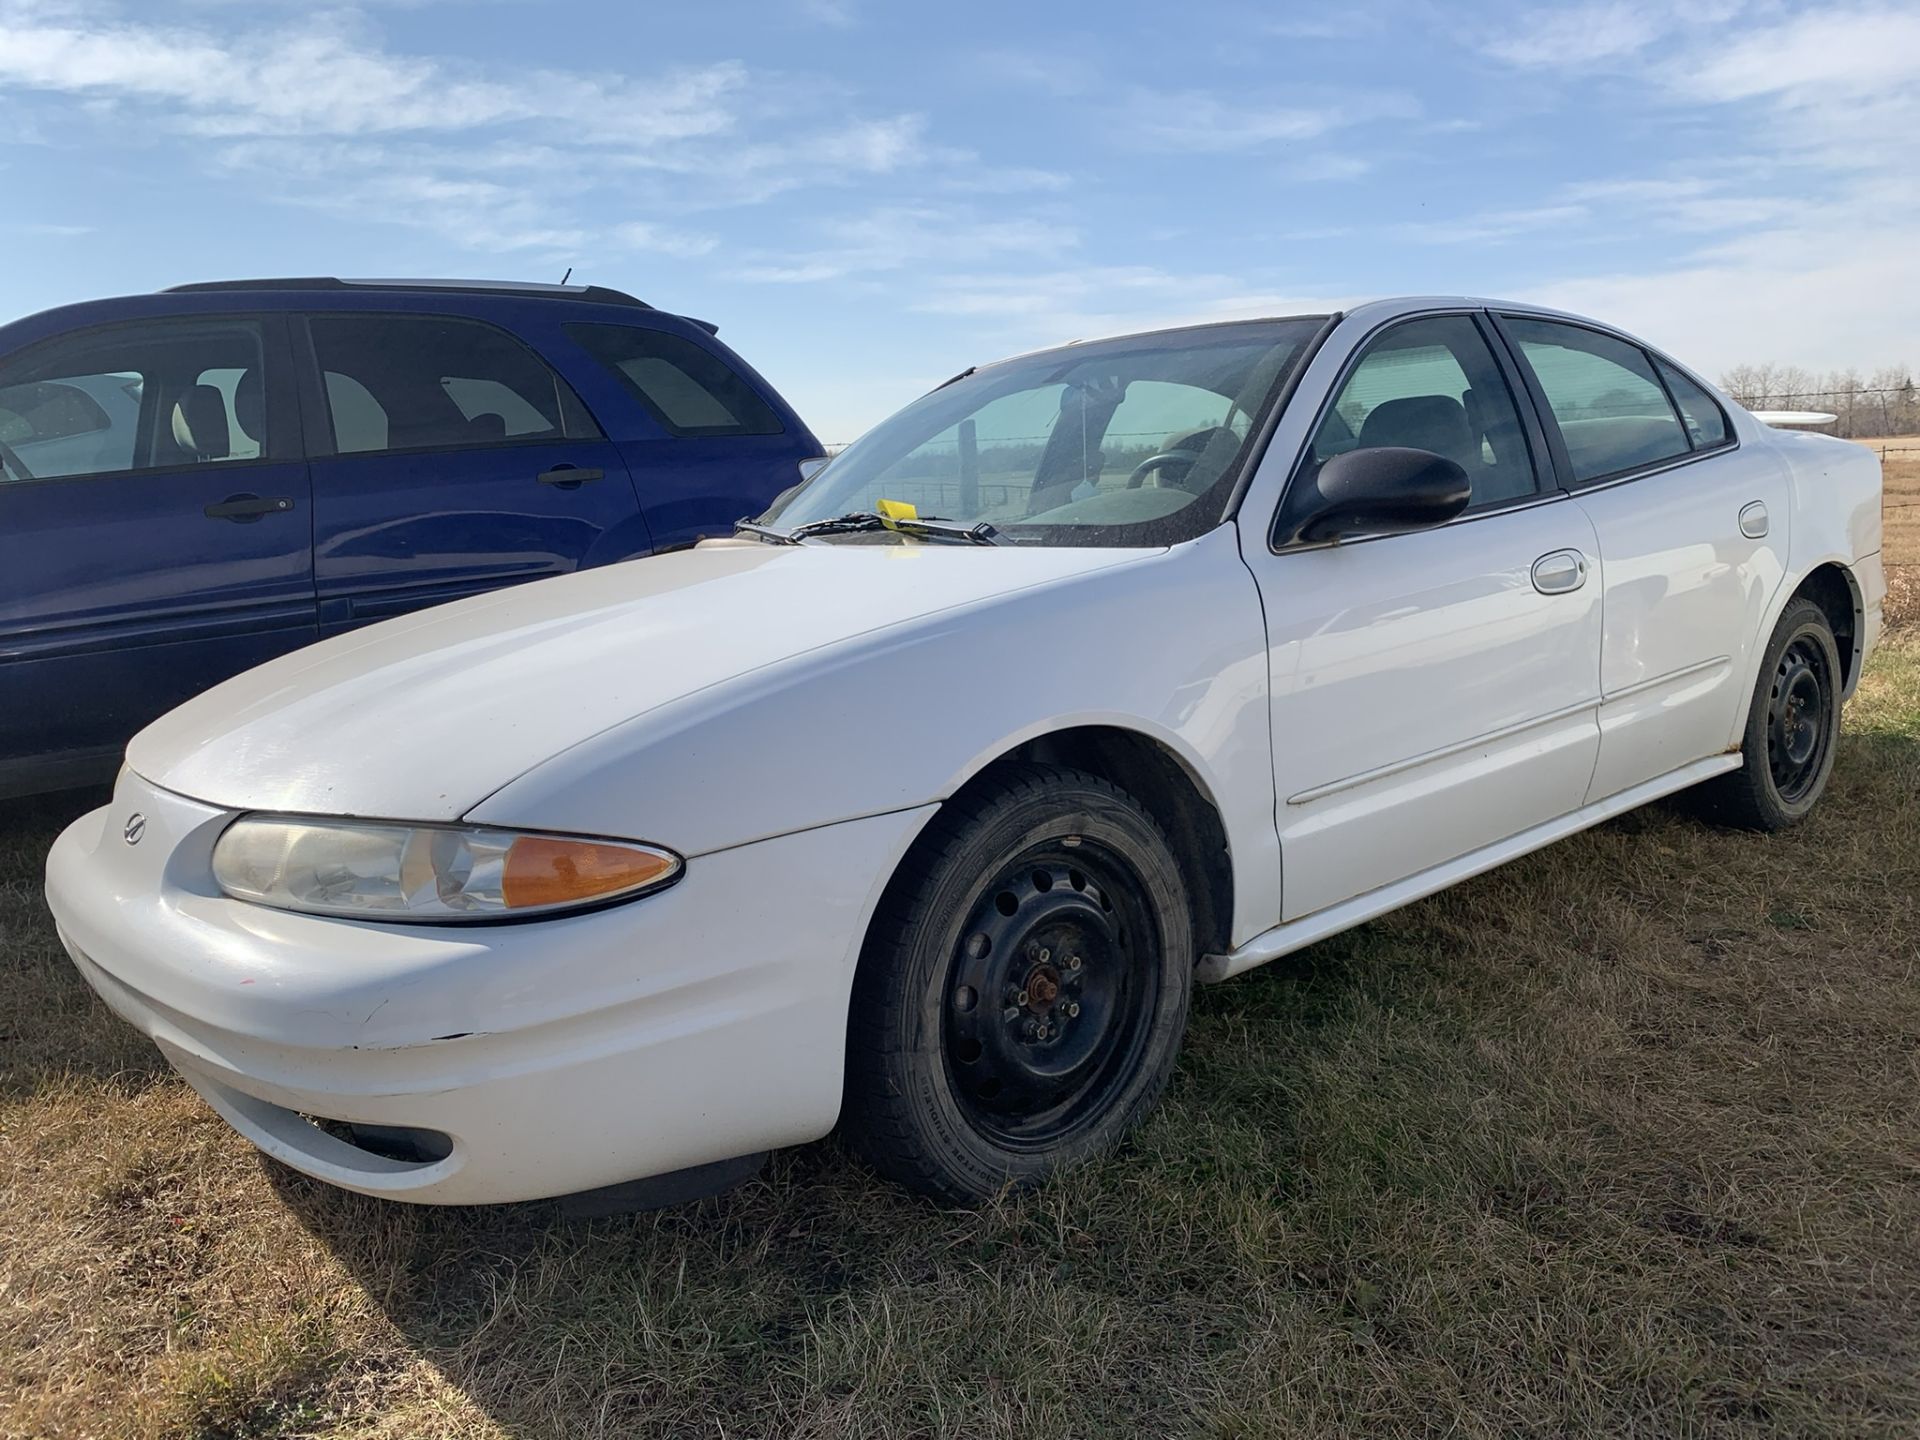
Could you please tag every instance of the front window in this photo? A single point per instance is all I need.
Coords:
(148, 395)
(1135, 441)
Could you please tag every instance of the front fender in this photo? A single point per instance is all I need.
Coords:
(1172, 647)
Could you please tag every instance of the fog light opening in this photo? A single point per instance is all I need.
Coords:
(403, 1143)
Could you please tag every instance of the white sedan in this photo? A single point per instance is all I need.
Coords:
(919, 804)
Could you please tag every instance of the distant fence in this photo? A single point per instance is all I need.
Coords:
(1861, 411)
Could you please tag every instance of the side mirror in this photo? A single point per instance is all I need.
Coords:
(1385, 490)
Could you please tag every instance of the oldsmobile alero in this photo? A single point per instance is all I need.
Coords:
(918, 805)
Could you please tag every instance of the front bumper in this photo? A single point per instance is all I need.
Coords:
(695, 1025)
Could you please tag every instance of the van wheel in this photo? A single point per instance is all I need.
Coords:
(1024, 987)
(1793, 726)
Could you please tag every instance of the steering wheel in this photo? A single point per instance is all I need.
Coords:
(12, 462)
(1183, 458)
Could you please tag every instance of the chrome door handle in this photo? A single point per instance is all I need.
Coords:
(1560, 572)
(1753, 521)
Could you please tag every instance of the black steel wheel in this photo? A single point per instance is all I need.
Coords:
(1793, 727)
(1798, 711)
(1049, 1004)
(1023, 991)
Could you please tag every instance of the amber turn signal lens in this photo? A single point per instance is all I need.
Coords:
(542, 872)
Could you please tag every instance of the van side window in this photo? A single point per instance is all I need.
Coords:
(143, 396)
(688, 389)
(433, 382)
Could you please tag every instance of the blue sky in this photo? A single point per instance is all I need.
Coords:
(868, 197)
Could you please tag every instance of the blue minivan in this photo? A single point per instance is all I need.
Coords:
(196, 481)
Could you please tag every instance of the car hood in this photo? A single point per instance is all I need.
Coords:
(422, 717)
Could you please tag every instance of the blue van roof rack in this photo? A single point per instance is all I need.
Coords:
(594, 294)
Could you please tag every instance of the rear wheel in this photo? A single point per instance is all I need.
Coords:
(1024, 988)
(1793, 727)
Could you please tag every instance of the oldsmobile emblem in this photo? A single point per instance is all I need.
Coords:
(136, 827)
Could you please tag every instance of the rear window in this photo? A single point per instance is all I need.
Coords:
(687, 388)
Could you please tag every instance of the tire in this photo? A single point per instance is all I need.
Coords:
(1023, 990)
(1793, 728)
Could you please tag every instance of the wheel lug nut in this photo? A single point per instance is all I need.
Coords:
(1073, 962)
(1045, 954)
(1021, 998)
(1073, 1008)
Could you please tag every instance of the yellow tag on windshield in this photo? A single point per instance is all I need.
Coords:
(896, 510)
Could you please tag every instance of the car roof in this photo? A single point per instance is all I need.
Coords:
(1371, 312)
(329, 292)
(517, 289)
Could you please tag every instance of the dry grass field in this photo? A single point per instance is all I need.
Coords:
(1623, 1137)
(1900, 464)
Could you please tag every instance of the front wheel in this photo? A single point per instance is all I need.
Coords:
(1793, 728)
(1024, 988)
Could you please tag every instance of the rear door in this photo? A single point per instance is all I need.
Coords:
(154, 530)
(451, 459)
(1693, 539)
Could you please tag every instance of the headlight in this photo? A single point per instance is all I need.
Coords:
(393, 871)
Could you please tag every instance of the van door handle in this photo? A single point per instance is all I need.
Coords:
(569, 477)
(1560, 573)
(246, 509)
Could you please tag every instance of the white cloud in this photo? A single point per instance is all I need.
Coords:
(1785, 296)
(1805, 224)
(894, 237)
(1034, 308)
(1494, 225)
(1197, 121)
(1585, 34)
(835, 14)
(1606, 32)
(321, 112)
(1329, 166)
(323, 79)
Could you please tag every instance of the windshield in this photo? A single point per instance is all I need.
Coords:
(1135, 441)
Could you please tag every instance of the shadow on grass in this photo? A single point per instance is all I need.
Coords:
(52, 1026)
(782, 1297)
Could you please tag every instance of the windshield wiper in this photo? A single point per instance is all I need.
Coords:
(922, 527)
(765, 532)
(859, 521)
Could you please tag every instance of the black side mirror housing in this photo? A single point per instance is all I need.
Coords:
(1384, 490)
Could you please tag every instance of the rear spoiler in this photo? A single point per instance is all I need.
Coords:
(1794, 419)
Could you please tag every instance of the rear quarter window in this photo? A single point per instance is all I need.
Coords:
(687, 388)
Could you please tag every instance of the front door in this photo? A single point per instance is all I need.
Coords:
(461, 463)
(154, 532)
(1693, 539)
(1432, 693)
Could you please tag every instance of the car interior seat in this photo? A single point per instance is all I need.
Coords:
(200, 424)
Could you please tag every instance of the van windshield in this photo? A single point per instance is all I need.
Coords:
(1127, 442)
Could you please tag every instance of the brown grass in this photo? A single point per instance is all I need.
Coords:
(1900, 465)
(1622, 1137)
